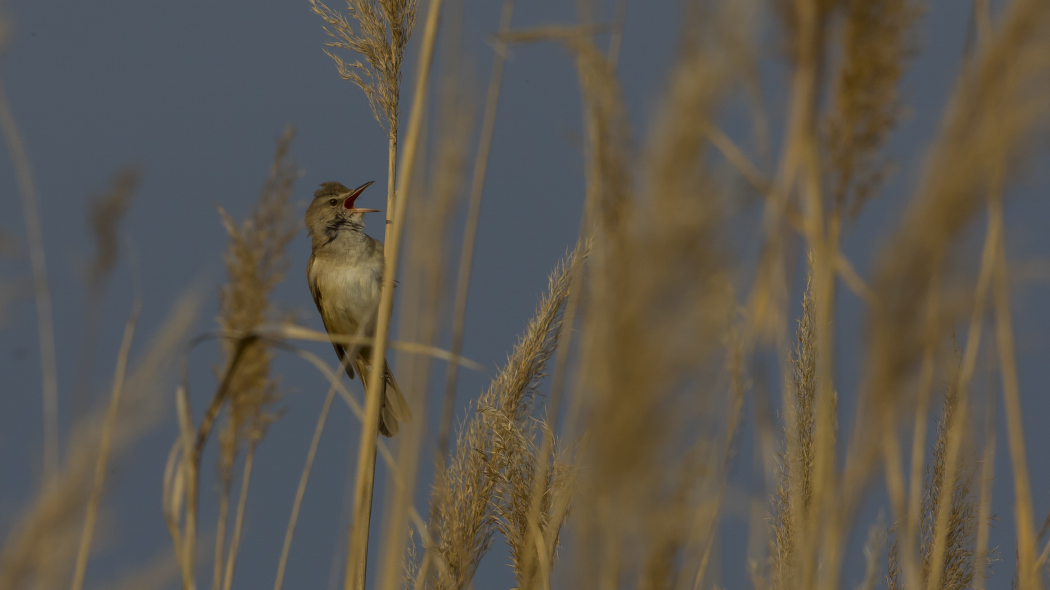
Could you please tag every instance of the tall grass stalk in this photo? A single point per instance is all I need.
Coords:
(365, 474)
(41, 547)
(465, 504)
(41, 290)
(470, 232)
(105, 446)
(106, 213)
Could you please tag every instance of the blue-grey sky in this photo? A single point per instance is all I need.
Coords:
(195, 93)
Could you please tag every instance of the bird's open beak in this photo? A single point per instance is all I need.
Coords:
(348, 203)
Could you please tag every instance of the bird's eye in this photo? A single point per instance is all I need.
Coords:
(332, 202)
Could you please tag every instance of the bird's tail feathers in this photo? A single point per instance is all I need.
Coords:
(394, 408)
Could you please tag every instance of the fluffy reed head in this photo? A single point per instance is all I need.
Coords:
(381, 35)
(255, 263)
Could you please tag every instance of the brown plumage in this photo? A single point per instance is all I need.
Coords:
(345, 276)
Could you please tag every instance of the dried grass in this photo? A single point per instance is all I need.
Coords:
(104, 216)
(877, 39)
(665, 356)
(383, 30)
(40, 548)
(958, 556)
(255, 263)
(489, 472)
(794, 491)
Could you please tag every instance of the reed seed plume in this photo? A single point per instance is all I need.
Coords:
(791, 499)
(466, 501)
(959, 565)
(255, 263)
(877, 39)
(514, 495)
(383, 30)
(104, 217)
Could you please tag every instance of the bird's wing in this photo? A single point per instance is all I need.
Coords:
(315, 291)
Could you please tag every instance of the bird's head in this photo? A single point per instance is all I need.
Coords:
(333, 210)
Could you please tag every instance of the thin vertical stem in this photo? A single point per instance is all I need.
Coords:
(105, 444)
(470, 232)
(984, 511)
(220, 534)
(1028, 577)
(45, 321)
(301, 490)
(238, 526)
(391, 179)
(358, 548)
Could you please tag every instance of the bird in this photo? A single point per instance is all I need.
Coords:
(345, 276)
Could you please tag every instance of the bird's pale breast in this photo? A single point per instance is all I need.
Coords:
(351, 292)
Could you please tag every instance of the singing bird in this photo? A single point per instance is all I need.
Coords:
(345, 274)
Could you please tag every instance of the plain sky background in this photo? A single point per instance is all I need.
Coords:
(195, 93)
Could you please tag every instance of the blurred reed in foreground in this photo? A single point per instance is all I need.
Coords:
(606, 452)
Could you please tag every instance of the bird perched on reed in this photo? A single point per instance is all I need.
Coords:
(345, 275)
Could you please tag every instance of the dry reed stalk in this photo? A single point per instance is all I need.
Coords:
(801, 168)
(989, 122)
(951, 509)
(601, 99)
(105, 445)
(910, 513)
(424, 280)
(949, 514)
(982, 555)
(470, 232)
(41, 547)
(255, 263)
(41, 291)
(863, 110)
(334, 379)
(635, 264)
(465, 503)
(1028, 574)
(277, 334)
(987, 126)
(104, 217)
(242, 502)
(792, 497)
(357, 557)
(961, 385)
(300, 491)
(556, 509)
(384, 28)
